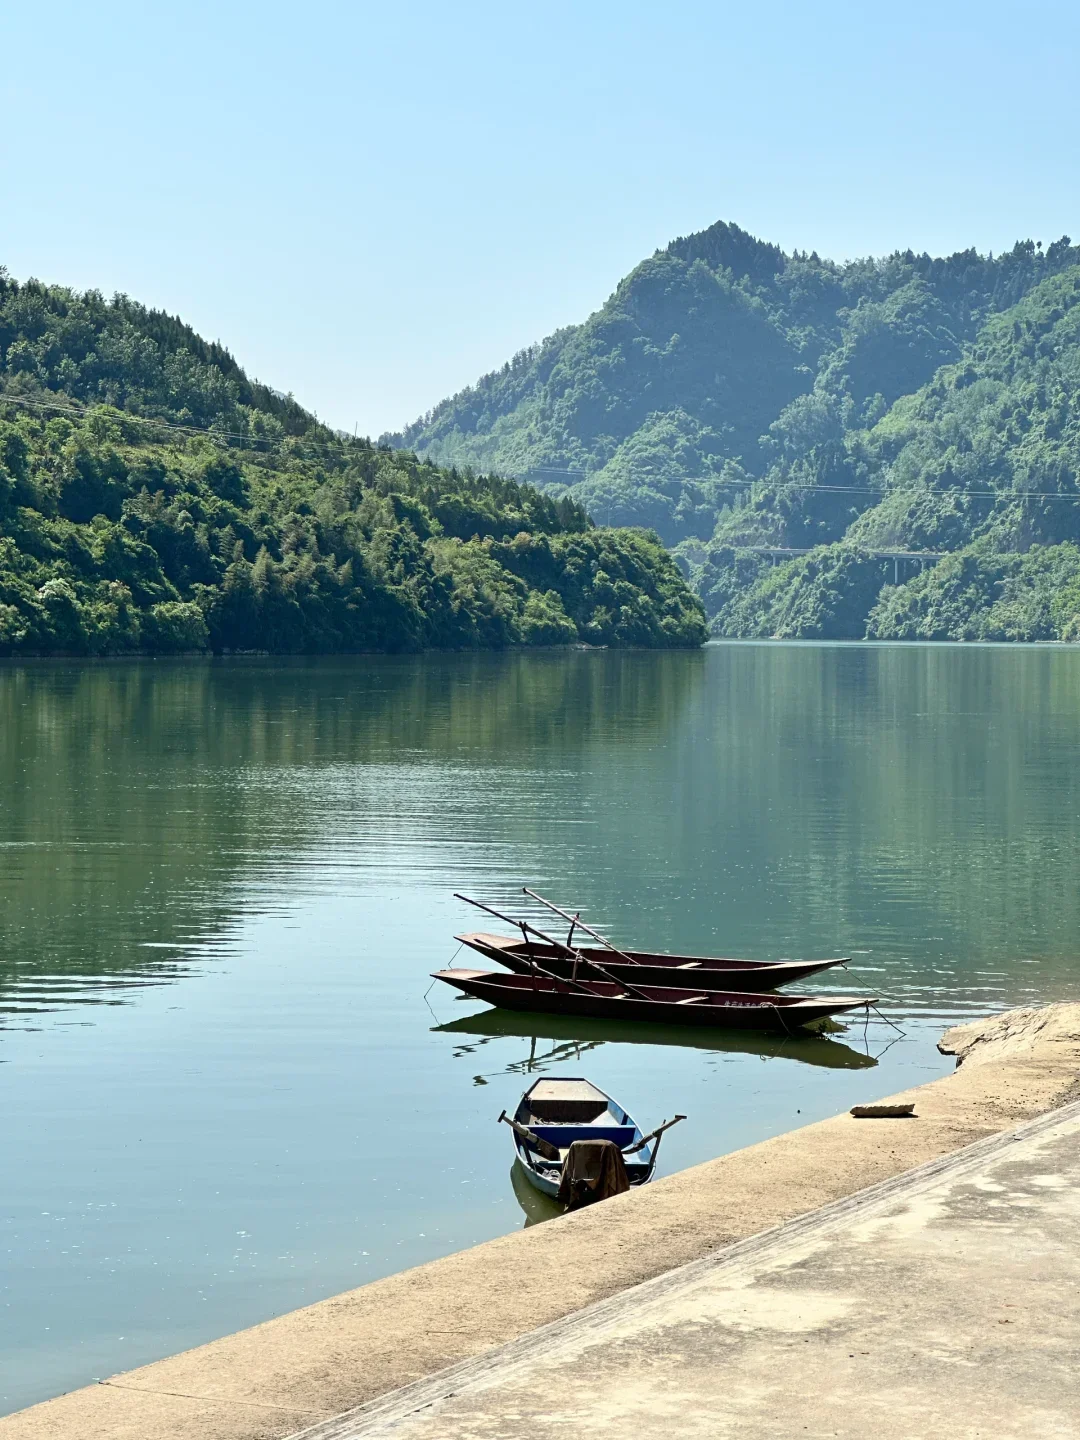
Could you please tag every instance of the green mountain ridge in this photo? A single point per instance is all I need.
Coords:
(154, 499)
(733, 398)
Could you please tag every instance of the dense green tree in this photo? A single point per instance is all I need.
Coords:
(720, 350)
(982, 461)
(980, 595)
(737, 399)
(152, 499)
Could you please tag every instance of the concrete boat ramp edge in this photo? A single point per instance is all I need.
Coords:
(366, 1351)
(562, 1338)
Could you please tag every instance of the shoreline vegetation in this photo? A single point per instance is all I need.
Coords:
(208, 655)
(789, 425)
(155, 501)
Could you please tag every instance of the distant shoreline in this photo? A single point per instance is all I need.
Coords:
(713, 643)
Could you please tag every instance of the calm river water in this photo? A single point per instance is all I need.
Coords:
(226, 1090)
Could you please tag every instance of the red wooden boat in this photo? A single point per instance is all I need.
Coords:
(674, 1005)
(643, 967)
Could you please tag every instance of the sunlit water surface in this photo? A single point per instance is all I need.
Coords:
(227, 1090)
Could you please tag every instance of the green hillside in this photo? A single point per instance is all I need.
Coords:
(154, 499)
(735, 398)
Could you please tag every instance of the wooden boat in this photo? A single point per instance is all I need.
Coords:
(643, 967)
(557, 1111)
(673, 1005)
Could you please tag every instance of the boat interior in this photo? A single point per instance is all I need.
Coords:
(562, 1111)
(514, 944)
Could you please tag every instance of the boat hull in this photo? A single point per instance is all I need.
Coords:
(547, 1185)
(648, 967)
(671, 1005)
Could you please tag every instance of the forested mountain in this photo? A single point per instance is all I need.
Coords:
(736, 398)
(153, 498)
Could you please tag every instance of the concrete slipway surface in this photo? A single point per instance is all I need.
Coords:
(905, 1278)
(883, 1313)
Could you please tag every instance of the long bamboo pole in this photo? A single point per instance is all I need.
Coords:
(526, 928)
(524, 925)
(580, 924)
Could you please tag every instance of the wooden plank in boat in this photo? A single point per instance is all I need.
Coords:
(565, 1090)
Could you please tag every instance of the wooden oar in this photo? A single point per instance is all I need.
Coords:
(655, 1135)
(569, 950)
(541, 1146)
(524, 925)
(576, 921)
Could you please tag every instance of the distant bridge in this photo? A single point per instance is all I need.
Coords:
(776, 553)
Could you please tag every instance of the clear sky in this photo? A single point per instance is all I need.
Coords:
(372, 205)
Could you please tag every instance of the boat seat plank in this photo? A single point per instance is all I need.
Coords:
(567, 1102)
(566, 1090)
(564, 1135)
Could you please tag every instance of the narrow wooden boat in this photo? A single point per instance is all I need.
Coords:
(673, 1005)
(557, 1111)
(643, 967)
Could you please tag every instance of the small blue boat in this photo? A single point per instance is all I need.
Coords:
(554, 1112)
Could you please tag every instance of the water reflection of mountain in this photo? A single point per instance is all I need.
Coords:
(916, 802)
(572, 1037)
(933, 787)
(139, 800)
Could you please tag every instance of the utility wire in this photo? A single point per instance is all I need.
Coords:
(871, 489)
(344, 446)
(349, 443)
(926, 489)
(83, 410)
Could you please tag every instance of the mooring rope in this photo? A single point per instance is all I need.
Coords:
(880, 1016)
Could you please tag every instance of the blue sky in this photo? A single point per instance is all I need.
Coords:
(373, 205)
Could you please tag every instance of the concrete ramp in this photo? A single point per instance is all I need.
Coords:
(942, 1302)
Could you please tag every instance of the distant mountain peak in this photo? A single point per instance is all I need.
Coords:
(725, 246)
(751, 405)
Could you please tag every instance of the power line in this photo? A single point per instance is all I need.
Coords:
(348, 442)
(924, 489)
(82, 411)
(863, 489)
(345, 445)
